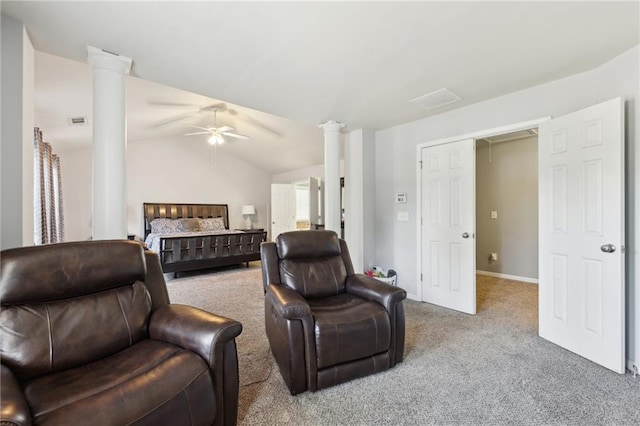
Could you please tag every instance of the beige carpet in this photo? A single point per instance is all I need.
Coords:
(487, 369)
(237, 294)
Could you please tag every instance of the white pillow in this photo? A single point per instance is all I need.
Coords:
(164, 226)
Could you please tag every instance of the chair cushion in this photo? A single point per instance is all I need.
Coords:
(307, 245)
(348, 328)
(43, 338)
(314, 278)
(134, 385)
(35, 274)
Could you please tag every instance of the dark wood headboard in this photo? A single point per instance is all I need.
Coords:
(152, 211)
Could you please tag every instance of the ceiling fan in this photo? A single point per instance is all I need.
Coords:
(196, 109)
(217, 134)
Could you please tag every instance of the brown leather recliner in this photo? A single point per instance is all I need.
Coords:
(87, 336)
(327, 325)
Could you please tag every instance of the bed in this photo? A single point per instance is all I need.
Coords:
(186, 248)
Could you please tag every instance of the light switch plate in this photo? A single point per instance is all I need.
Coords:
(494, 214)
(403, 216)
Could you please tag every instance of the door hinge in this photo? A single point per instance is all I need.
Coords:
(622, 249)
(420, 164)
(420, 276)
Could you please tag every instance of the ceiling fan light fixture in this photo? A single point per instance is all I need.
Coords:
(215, 139)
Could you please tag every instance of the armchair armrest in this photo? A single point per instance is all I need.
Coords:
(288, 303)
(196, 330)
(13, 406)
(375, 290)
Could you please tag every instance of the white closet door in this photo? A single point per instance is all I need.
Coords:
(448, 225)
(581, 214)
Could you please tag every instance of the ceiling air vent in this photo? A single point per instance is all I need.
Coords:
(436, 99)
(77, 121)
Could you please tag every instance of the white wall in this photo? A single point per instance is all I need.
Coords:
(28, 122)
(299, 174)
(16, 151)
(396, 162)
(304, 173)
(171, 170)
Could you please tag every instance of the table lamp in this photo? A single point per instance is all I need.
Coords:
(248, 211)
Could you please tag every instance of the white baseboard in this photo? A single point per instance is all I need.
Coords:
(633, 366)
(507, 276)
(412, 296)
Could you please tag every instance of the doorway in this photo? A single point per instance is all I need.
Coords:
(507, 206)
(295, 206)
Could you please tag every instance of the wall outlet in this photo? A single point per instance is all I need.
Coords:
(493, 257)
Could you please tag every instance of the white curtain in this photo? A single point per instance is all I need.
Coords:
(49, 217)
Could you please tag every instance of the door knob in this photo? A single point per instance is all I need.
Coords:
(465, 235)
(608, 248)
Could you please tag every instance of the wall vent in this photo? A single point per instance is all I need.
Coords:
(436, 99)
(77, 121)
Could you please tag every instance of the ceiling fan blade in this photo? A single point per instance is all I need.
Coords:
(171, 104)
(235, 135)
(196, 133)
(257, 123)
(224, 129)
(208, 129)
(172, 120)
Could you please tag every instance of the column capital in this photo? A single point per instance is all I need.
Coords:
(99, 58)
(331, 126)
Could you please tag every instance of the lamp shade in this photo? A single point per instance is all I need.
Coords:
(249, 209)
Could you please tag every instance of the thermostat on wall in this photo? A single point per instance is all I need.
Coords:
(401, 197)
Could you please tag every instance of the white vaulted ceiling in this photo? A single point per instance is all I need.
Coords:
(63, 89)
(357, 62)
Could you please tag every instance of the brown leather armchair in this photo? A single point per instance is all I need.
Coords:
(87, 336)
(327, 325)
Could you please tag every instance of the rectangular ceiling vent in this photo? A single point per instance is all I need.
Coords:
(77, 121)
(436, 99)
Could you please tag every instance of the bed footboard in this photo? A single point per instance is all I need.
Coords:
(179, 254)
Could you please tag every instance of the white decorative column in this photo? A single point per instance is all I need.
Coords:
(332, 175)
(109, 144)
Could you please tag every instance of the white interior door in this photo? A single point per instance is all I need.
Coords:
(448, 225)
(581, 214)
(314, 197)
(283, 209)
